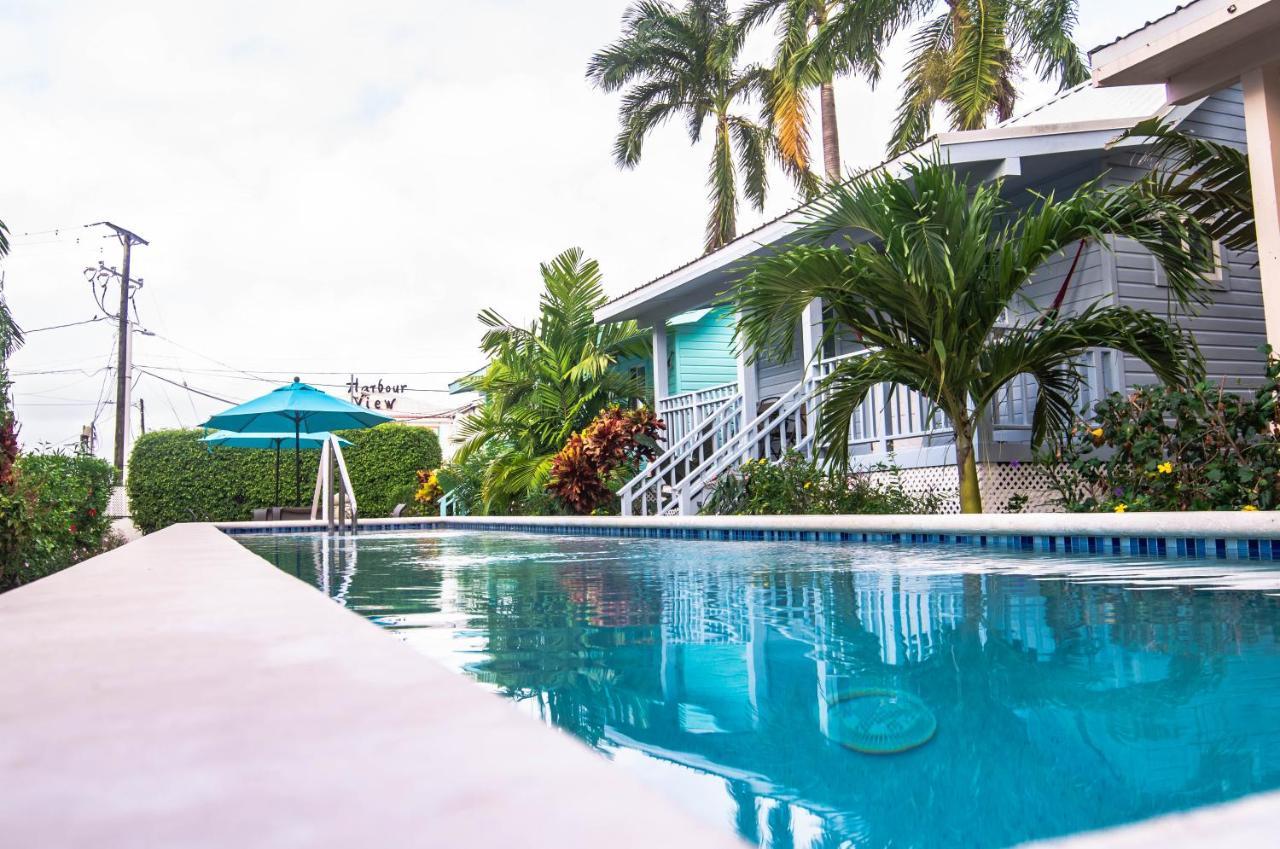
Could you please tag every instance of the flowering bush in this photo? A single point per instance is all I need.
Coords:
(14, 529)
(586, 472)
(54, 516)
(796, 485)
(429, 491)
(1160, 448)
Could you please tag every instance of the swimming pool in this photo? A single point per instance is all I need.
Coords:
(1059, 695)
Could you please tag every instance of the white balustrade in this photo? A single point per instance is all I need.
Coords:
(684, 412)
(894, 412)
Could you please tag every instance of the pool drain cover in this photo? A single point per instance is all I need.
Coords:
(882, 722)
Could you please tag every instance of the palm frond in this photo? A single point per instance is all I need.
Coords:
(1210, 179)
(1042, 30)
(927, 74)
(751, 144)
(978, 65)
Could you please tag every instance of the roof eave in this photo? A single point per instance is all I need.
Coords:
(1193, 51)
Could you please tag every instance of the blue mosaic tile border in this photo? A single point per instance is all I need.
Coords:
(1190, 548)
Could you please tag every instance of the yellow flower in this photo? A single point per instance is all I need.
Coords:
(1249, 508)
(808, 484)
(1120, 508)
(1165, 468)
(1096, 433)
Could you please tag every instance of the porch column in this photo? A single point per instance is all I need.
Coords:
(811, 335)
(748, 386)
(811, 330)
(1262, 130)
(660, 384)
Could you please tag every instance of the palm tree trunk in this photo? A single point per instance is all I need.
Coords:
(967, 464)
(830, 132)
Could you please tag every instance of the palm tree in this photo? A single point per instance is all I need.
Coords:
(926, 276)
(10, 333)
(799, 67)
(683, 63)
(546, 381)
(967, 56)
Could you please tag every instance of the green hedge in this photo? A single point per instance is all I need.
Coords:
(174, 477)
(55, 515)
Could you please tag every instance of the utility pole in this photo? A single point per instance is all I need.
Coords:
(142, 417)
(123, 359)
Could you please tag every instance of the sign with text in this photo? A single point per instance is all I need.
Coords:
(375, 395)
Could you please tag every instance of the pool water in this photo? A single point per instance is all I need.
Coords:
(745, 679)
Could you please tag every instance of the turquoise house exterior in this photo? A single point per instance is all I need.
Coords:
(699, 354)
(700, 350)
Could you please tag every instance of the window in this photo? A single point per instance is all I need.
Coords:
(1207, 253)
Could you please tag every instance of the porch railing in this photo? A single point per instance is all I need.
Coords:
(893, 412)
(684, 412)
(722, 438)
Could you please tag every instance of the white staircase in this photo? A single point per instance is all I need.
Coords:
(681, 478)
(661, 487)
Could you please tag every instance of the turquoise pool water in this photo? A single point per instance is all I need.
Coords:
(1064, 695)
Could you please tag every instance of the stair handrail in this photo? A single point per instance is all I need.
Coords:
(653, 474)
(752, 435)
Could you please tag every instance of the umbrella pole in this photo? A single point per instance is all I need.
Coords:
(297, 463)
(276, 503)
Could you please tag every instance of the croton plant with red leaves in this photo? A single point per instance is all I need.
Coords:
(615, 439)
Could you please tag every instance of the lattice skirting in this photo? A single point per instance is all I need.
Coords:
(118, 506)
(1001, 485)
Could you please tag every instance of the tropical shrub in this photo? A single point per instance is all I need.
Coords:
(59, 514)
(584, 473)
(174, 477)
(384, 460)
(426, 498)
(13, 507)
(796, 485)
(545, 383)
(1161, 448)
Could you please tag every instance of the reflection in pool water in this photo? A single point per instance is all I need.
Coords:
(721, 672)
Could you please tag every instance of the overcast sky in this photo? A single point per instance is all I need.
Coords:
(333, 188)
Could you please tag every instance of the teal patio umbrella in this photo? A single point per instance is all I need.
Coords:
(295, 408)
(309, 441)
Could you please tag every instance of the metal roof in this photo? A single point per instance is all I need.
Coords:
(1153, 22)
(1087, 102)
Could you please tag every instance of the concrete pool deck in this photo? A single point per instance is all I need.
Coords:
(180, 691)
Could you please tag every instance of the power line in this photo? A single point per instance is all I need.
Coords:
(102, 391)
(55, 231)
(93, 320)
(85, 372)
(186, 387)
(222, 374)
